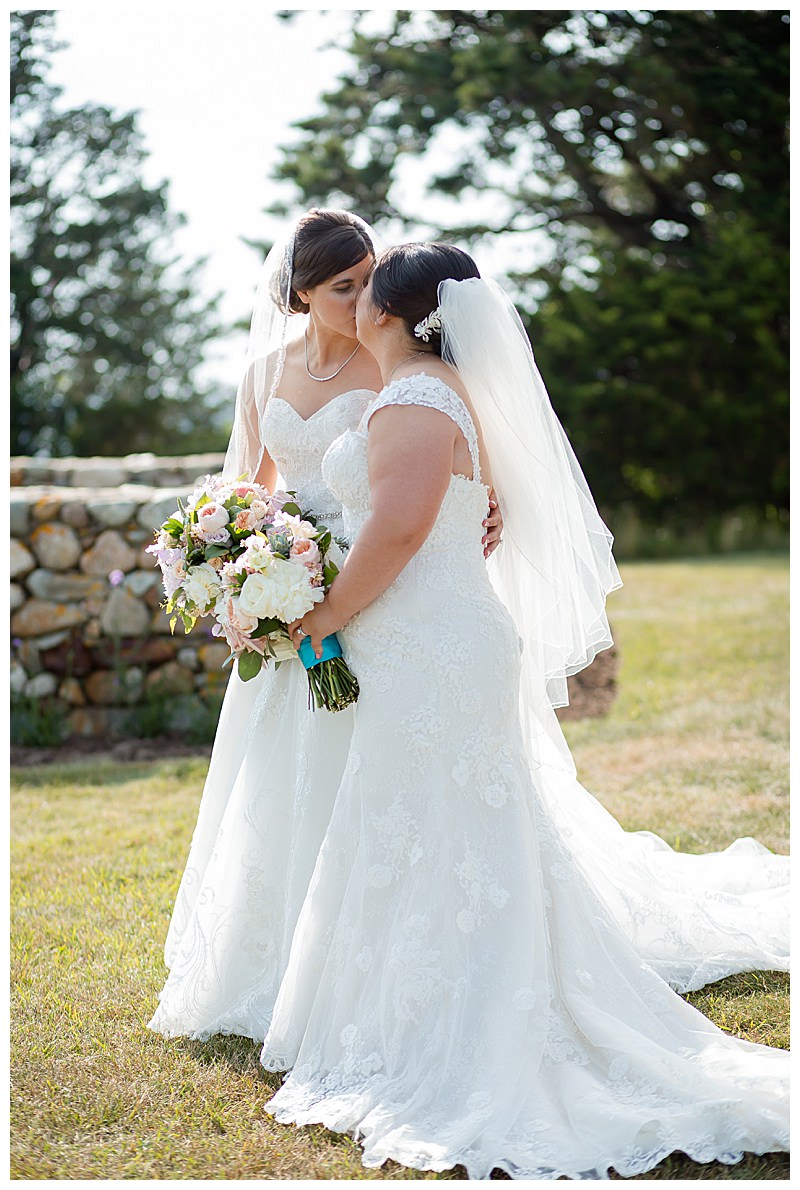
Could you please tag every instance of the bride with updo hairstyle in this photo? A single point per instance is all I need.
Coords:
(485, 967)
(276, 765)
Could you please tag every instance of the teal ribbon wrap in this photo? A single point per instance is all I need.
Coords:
(330, 648)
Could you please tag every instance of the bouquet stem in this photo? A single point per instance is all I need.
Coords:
(330, 683)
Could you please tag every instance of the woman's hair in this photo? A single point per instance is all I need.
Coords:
(326, 242)
(406, 279)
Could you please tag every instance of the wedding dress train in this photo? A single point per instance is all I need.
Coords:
(474, 974)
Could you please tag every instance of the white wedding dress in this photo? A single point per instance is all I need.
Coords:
(267, 801)
(466, 982)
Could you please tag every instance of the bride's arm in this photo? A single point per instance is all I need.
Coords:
(267, 473)
(410, 464)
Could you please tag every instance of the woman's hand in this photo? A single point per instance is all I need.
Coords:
(493, 526)
(320, 622)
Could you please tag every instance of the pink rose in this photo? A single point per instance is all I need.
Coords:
(236, 626)
(244, 520)
(211, 519)
(306, 551)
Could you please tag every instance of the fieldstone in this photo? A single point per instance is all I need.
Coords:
(17, 596)
(70, 658)
(17, 677)
(140, 581)
(46, 508)
(75, 513)
(155, 596)
(22, 560)
(41, 685)
(109, 687)
(16, 475)
(92, 631)
(27, 654)
(213, 654)
(213, 682)
(152, 651)
(35, 472)
(71, 692)
(170, 679)
(112, 513)
(56, 546)
(109, 552)
(39, 615)
(52, 639)
(19, 516)
(48, 584)
(187, 657)
(153, 514)
(96, 721)
(91, 475)
(124, 614)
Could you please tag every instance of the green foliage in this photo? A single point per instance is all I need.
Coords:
(37, 722)
(160, 714)
(650, 148)
(106, 329)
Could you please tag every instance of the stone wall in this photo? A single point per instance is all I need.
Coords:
(86, 626)
(87, 629)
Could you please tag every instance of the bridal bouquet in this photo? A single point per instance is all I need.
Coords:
(254, 561)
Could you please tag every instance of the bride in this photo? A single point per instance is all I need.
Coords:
(275, 766)
(467, 981)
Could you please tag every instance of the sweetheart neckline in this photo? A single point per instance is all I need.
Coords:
(351, 392)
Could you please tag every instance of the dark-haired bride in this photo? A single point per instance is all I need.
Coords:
(275, 766)
(479, 974)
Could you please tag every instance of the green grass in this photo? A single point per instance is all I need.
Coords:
(695, 748)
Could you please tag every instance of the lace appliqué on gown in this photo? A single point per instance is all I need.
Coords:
(458, 992)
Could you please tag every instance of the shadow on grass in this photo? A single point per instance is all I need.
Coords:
(107, 772)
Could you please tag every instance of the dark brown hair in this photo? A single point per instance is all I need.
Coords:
(406, 279)
(326, 242)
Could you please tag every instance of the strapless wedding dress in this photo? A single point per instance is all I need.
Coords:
(466, 984)
(267, 801)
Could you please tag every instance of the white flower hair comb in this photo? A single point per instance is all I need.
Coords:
(432, 323)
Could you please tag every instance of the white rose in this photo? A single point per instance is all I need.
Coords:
(202, 586)
(283, 591)
(211, 518)
(257, 555)
(298, 528)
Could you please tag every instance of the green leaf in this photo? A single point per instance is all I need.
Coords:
(215, 551)
(265, 627)
(249, 665)
(329, 572)
(292, 509)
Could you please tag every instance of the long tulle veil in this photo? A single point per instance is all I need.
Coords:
(555, 566)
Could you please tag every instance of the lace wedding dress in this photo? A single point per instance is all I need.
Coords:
(463, 985)
(268, 796)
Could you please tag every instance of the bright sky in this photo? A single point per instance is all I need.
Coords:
(217, 91)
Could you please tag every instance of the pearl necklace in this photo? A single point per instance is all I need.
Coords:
(333, 375)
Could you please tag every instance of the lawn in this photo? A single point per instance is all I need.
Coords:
(694, 748)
